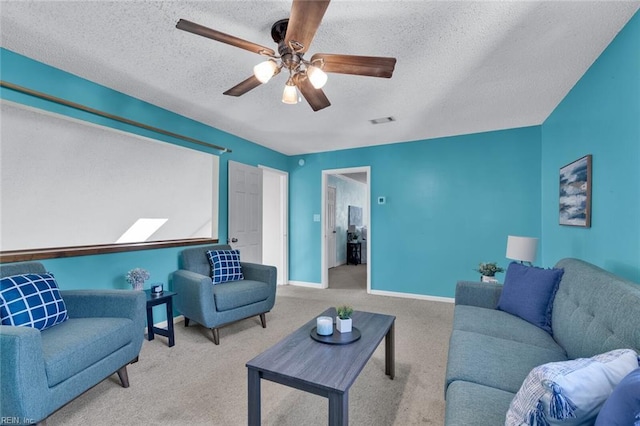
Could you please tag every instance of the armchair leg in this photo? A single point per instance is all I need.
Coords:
(216, 335)
(124, 376)
(186, 322)
(263, 320)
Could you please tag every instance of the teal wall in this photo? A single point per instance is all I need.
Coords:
(599, 116)
(107, 270)
(450, 204)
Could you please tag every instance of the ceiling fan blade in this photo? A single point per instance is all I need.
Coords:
(373, 66)
(200, 30)
(242, 88)
(304, 21)
(316, 97)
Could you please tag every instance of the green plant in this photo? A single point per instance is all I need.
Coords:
(489, 269)
(344, 311)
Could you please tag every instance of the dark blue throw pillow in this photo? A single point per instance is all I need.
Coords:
(623, 405)
(225, 265)
(528, 293)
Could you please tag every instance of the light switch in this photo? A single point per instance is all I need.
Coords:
(316, 218)
(382, 200)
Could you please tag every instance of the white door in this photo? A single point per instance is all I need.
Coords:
(274, 220)
(331, 227)
(245, 211)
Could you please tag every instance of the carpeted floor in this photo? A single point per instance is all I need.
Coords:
(198, 383)
(348, 277)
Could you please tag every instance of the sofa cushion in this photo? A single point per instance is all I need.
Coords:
(623, 405)
(234, 294)
(78, 343)
(31, 300)
(473, 404)
(493, 322)
(491, 361)
(570, 392)
(225, 265)
(528, 292)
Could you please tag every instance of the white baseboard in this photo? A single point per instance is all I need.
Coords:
(413, 296)
(305, 284)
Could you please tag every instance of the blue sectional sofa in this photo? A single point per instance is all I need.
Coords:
(491, 352)
(40, 371)
(215, 306)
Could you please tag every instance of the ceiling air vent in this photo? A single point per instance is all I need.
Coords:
(383, 120)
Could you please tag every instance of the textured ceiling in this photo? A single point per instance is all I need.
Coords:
(462, 67)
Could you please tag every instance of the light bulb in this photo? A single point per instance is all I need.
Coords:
(317, 77)
(265, 70)
(290, 94)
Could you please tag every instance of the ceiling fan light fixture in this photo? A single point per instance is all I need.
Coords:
(317, 77)
(290, 94)
(265, 70)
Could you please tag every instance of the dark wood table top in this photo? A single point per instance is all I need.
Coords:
(334, 367)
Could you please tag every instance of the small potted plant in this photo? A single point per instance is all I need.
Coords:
(136, 277)
(343, 319)
(488, 271)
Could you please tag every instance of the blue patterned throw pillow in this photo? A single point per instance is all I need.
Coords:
(31, 300)
(225, 265)
(570, 393)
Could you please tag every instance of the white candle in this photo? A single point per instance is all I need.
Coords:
(324, 326)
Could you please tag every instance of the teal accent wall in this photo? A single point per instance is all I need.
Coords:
(450, 204)
(599, 116)
(107, 270)
(348, 193)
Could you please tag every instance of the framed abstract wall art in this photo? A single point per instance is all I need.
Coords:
(575, 193)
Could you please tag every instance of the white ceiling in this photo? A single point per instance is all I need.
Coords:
(462, 67)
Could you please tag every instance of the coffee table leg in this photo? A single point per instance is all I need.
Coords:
(390, 352)
(254, 397)
(338, 409)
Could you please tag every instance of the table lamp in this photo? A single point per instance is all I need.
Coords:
(522, 249)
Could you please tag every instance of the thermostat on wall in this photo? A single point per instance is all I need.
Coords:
(382, 200)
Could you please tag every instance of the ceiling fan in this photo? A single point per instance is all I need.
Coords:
(294, 35)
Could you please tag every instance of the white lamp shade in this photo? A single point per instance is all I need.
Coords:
(522, 248)
(265, 70)
(317, 77)
(290, 95)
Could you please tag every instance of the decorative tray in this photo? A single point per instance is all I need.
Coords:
(336, 338)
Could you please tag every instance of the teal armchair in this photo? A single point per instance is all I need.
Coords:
(41, 371)
(214, 306)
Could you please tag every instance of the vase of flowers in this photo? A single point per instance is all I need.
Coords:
(136, 277)
(343, 319)
(488, 271)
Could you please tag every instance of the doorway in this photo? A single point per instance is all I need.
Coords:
(346, 179)
(258, 222)
(275, 235)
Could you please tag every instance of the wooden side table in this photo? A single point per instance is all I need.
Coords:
(166, 298)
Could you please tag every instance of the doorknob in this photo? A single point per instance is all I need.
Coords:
(234, 240)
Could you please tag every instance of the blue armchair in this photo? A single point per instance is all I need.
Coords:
(43, 370)
(214, 306)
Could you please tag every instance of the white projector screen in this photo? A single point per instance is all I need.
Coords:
(67, 182)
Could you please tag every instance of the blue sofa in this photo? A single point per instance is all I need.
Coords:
(40, 371)
(491, 352)
(214, 306)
